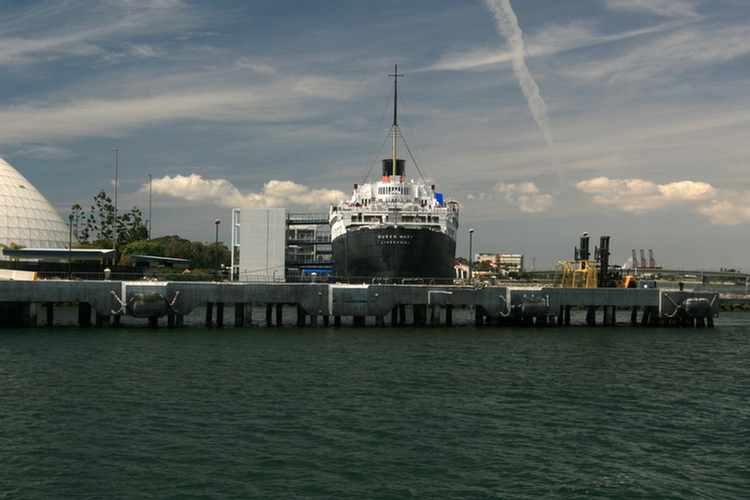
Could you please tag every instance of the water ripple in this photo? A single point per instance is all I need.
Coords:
(625, 413)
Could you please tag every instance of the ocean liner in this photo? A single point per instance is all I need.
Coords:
(393, 227)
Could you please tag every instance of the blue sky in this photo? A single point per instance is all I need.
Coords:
(544, 119)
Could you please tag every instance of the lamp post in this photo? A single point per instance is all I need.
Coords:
(471, 263)
(217, 222)
(149, 207)
(70, 246)
(114, 232)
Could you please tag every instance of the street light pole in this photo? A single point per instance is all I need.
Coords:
(70, 245)
(114, 233)
(217, 222)
(149, 207)
(471, 262)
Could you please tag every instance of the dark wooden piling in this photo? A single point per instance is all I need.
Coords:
(301, 316)
(209, 313)
(220, 314)
(279, 314)
(269, 314)
(50, 306)
(84, 314)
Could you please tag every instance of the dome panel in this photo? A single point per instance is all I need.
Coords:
(26, 217)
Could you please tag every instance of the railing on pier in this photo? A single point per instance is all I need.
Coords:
(259, 278)
(100, 276)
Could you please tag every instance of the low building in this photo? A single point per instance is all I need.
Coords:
(271, 244)
(512, 262)
(509, 262)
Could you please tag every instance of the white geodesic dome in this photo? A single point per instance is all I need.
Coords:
(26, 217)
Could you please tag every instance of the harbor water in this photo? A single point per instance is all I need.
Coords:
(385, 413)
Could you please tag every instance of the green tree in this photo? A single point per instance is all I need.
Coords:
(481, 265)
(77, 213)
(224, 256)
(174, 246)
(143, 247)
(13, 246)
(98, 227)
(200, 255)
(130, 227)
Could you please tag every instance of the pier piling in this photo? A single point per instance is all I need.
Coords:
(209, 313)
(220, 314)
(50, 307)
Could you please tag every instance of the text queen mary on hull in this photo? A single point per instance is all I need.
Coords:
(393, 227)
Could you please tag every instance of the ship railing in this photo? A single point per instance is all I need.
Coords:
(377, 209)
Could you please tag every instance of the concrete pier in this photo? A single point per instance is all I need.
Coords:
(365, 304)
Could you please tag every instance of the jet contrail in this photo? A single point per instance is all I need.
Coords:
(507, 24)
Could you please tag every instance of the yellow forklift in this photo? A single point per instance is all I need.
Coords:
(583, 273)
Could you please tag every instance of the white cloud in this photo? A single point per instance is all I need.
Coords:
(507, 25)
(20, 51)
(667, 8)
(474, 59)
(728, 212)
(721, 206)
(685, 50)
(672, 47)
(146, 51)
(60, 30)
(293, 98)
(687, 191)
(223, 193)
(639, 196)
(44, 152)
(548, 40)
(525, 195)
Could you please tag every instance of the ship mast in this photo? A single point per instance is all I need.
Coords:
(395, 76)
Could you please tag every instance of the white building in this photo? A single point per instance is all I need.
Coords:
(258, 244)
(511, 262)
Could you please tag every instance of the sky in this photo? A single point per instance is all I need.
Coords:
(543, 119)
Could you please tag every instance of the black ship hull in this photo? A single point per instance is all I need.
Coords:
(394, 252)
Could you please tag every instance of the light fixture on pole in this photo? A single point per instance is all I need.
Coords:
(114, 232)
(149, 207)
(217, 222)
(471, 263)
(70, 245)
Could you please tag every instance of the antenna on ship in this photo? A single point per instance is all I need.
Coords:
(395, 76)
